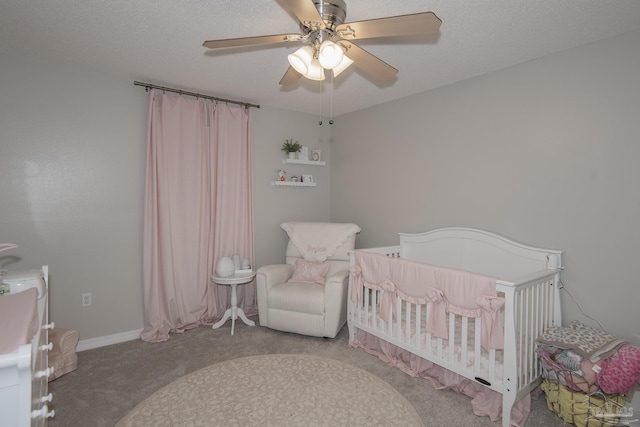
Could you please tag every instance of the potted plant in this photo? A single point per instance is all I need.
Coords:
(291, 148)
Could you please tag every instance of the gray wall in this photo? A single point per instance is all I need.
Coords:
(72, 162)
(545, 153)
(275, 205)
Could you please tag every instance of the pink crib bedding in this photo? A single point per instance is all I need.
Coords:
(430, 343)
(456, 291)
(447, 291)
(484, 401)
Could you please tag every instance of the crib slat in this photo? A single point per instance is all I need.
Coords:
(547, 308)
(537, 330)
(418, 343)
(522, 333)
(408, 328)
(477, 345)
(428, 334)
(527, 338)
(519, 325)
(398, 318)
(452, 337)
(367, 311)
(390, 322)
(362, 306)
(463, 341)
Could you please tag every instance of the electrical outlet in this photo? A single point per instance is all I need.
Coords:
(86, 300)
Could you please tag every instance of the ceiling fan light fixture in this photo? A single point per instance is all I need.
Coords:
(330, 54)
(343, 65)
(315, 72)
(301, 59)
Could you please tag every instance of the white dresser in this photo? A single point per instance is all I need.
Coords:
(24, 396)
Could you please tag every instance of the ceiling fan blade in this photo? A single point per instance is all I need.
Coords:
(251, 41)
(370, 64)
(291, 77)
(393, 26)
(305, 11)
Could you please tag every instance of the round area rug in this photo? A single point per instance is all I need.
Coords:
(275, 390)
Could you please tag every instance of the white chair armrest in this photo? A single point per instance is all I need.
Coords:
(269, 275)
(337, 278)
(335, 302)
(335, 287)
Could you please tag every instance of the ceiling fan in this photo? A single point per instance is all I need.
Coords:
(328, 40)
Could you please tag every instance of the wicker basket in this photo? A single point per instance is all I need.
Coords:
(584, 410)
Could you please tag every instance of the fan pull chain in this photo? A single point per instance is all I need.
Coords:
(331, 101)
(320, 118)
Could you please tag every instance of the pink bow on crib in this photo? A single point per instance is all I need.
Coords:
(437, 319)
(388, 297)
(492, 330)
(356, 275)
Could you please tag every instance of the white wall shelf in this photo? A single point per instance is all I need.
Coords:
(293, 184)
(304, 162)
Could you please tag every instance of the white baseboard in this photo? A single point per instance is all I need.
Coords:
(108, 340)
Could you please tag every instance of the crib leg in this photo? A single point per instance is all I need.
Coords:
(350, 327)
(508, 401)
(506, 415)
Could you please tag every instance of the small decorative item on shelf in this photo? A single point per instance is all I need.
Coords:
(295, 179)
(316, 155)
(304, 153)
(291, 148)
(282, 175)
(307, 178)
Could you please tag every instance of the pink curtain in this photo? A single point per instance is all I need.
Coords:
(233, 202)
(197, 209)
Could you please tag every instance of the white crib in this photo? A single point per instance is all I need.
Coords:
(528, 279)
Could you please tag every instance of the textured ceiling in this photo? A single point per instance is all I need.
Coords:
(160, 41)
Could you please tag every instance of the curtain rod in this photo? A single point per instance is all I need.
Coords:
(197, 95)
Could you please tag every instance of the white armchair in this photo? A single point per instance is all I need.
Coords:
(308, 294)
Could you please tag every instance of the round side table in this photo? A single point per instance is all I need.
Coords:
(239, 278)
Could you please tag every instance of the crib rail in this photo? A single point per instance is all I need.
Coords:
(390, 251)
(532, 306)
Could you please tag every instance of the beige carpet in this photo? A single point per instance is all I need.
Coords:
(275, 390)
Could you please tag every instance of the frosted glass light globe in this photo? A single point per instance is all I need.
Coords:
(343, 65)
(316, 72)
(300, 59)
(330, 54)
(225, 267)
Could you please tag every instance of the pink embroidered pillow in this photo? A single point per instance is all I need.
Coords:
(310, 272)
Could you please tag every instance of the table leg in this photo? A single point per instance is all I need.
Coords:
(225, 317)
(233, 312)
(234, 306)
(244, 318)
